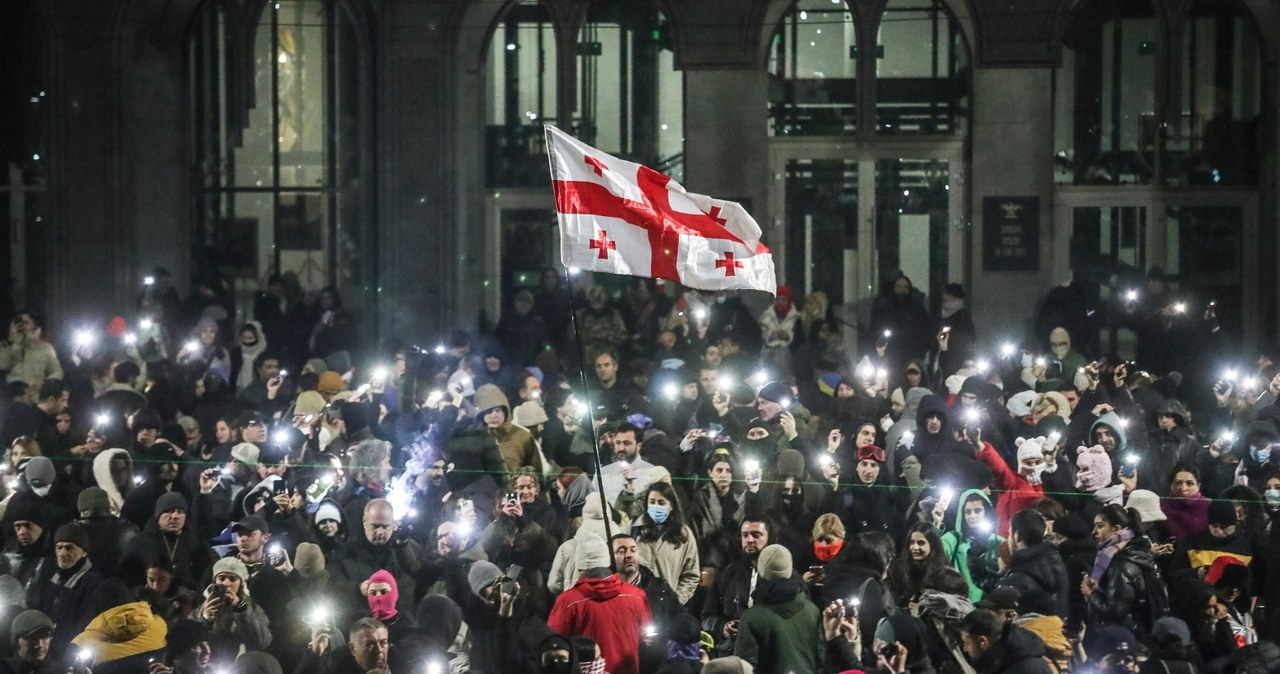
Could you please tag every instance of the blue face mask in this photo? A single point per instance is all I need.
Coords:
(658, 513)
(1260, 455)
(1273, 498)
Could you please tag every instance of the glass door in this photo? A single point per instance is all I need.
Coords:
(849, 217)
(1204, 257)
(1199, 242)
(913, 210)
(822, 227)
(522, 238)
(1108, 256)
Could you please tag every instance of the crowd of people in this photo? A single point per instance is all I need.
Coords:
(635, 478)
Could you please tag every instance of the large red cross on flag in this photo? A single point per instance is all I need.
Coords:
(620, 217)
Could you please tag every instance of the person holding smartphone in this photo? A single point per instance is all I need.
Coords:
(514, 538)
(270, 571)
(236, 622)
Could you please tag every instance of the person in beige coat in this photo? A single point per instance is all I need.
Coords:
(666, 544)
(515, 443)
(26, 355)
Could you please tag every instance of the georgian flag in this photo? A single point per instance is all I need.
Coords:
(624, 218)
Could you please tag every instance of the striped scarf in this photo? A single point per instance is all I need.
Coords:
(1107, 550)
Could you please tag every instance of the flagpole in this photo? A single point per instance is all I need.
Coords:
(591, 416)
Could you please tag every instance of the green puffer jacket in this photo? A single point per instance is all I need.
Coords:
(958, 541)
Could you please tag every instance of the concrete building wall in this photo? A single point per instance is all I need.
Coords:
(1012, 131)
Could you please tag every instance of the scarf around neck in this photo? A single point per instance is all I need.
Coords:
(1185, 515)
(1107, 550)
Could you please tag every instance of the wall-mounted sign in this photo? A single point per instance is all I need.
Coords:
(1011, 234)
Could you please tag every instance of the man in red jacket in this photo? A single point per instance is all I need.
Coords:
(601, 606)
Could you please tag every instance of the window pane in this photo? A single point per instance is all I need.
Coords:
(670, 115)
(1213, 138)
(821, 226)
(301, 69)
(521, 95)
(522, 68)
(302, 109)
(1105, 99)
(812, 69)
(604, 86)
(922, 70)
(630, 101)
(253, 155)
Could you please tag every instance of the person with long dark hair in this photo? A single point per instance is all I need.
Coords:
(667, 545)
(921, 553)
(1125, 587)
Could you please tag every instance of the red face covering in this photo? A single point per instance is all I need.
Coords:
(782, 303)
(827, 551)
(383, 606)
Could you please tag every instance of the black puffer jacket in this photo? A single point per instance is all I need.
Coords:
(1040, 572)
(1121, 597)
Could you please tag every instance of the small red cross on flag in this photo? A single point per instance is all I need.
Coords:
(596, 165)
(623, 218)
(728, 264)
(603, 244)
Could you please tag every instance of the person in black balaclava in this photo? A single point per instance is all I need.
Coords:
(557, 656)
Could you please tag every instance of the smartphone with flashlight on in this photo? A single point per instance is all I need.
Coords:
(1129, 465)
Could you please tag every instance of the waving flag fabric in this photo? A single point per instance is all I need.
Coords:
(623, 218)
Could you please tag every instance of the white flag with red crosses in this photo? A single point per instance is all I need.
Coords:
(624, 218)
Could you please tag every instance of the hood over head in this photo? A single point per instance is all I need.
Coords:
(931, 404)
(1111, 420)
(489, 397)
(1174, 408)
